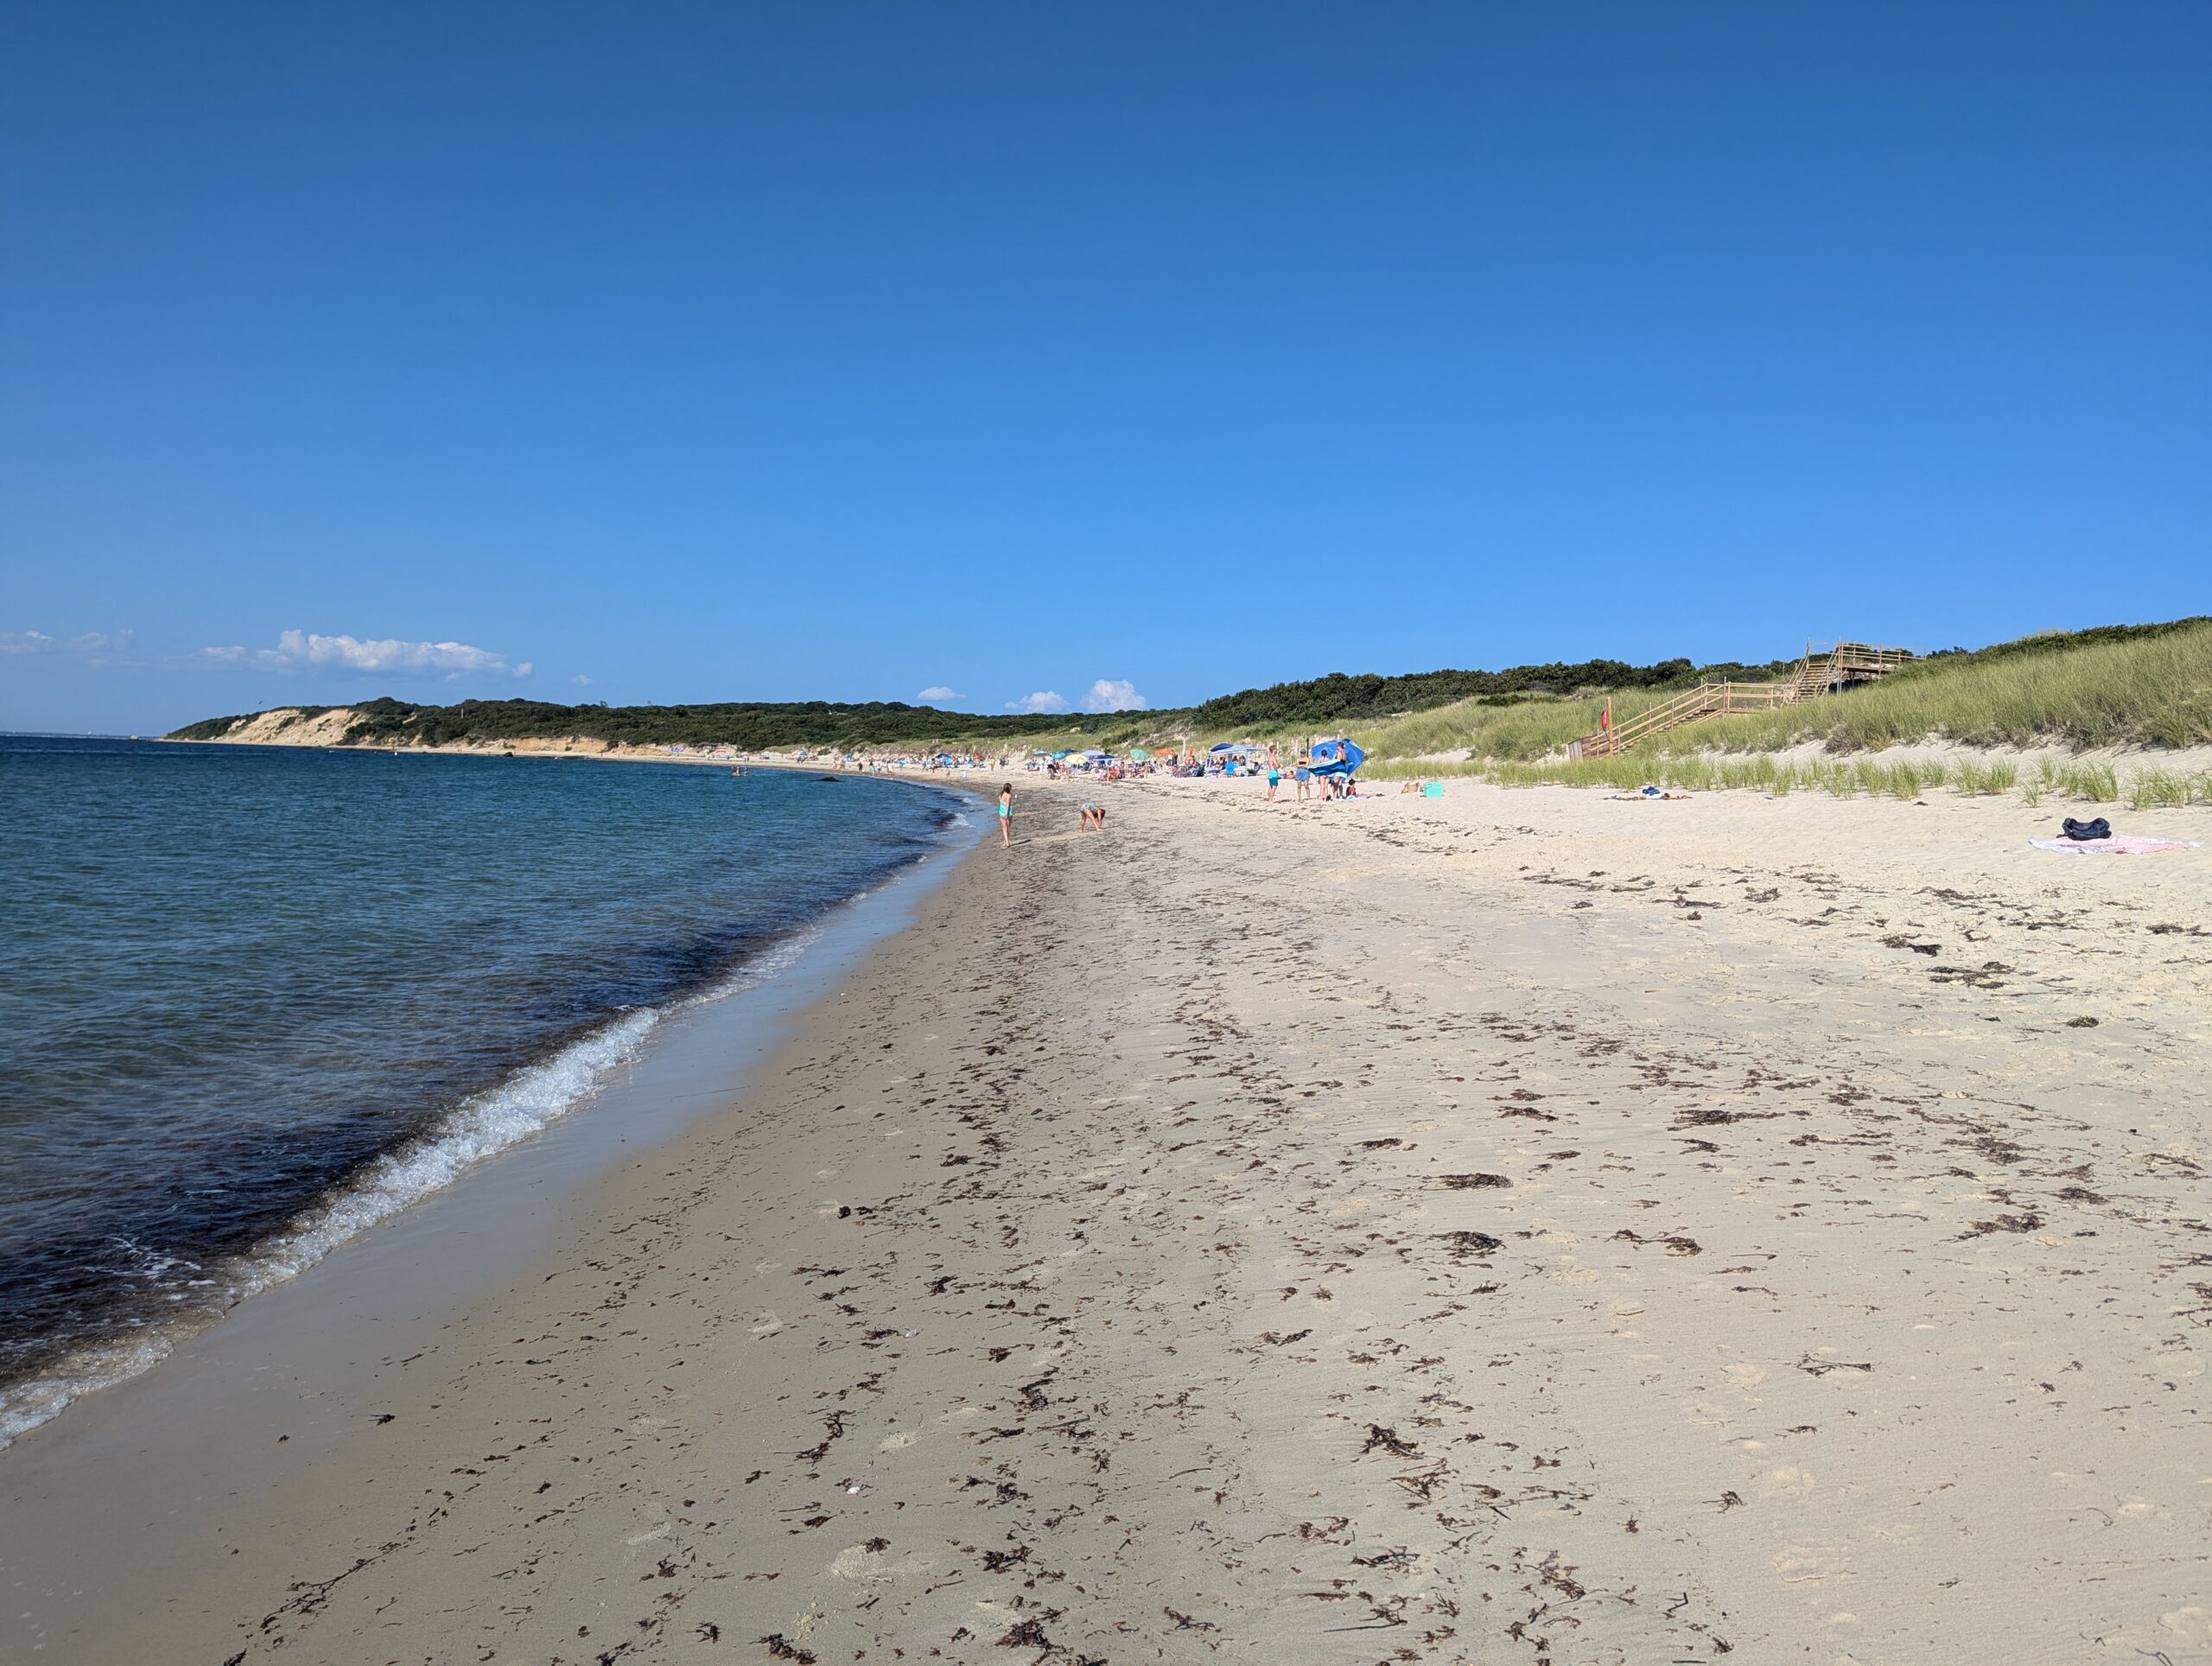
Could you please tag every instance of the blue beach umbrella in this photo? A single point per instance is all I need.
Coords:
(1336, 757)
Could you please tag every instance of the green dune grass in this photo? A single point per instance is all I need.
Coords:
(2151, 690)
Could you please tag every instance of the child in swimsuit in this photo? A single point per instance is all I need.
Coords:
(1005, 816)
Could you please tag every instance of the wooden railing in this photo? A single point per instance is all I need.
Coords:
(1827, 667)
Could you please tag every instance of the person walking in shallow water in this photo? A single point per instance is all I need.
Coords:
(1006, 815)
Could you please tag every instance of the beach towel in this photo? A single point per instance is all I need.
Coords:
(2121, 844)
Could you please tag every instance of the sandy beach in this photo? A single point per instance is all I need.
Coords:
(1521, 1226)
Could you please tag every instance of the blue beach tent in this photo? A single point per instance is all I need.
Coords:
(1336, 757)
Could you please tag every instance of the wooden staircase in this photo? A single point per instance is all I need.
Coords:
(1827, 667)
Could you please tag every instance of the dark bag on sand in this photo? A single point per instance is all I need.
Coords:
(2100, 829)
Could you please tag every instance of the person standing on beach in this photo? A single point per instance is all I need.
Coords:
(1005, 816)
(1275, 777)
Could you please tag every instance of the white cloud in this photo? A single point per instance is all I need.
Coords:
(1043, 700)
(581, 680)
(938, 693)
(295, 649)
(1117, 694)
(101, 646)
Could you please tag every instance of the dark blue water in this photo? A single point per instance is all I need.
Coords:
(253, 998)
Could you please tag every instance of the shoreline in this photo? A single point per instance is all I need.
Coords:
(484, 1125)
(261, 1400)
(1638, 1228)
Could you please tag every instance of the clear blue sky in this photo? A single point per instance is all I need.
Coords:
(818, 351)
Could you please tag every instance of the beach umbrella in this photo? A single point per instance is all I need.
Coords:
(1336, 757)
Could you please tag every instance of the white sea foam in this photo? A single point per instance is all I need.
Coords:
(481, 1125)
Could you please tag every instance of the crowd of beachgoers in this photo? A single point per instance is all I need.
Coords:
(1322, 769)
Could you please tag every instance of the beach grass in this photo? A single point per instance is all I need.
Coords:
(2152, 690)
(1908, 780)
(2148, 687)
(2096, 783)
(1976, 779)
(2152, 788)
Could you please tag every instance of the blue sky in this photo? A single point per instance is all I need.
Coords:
(1116, 353)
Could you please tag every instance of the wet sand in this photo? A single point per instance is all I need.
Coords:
(1525, 1226)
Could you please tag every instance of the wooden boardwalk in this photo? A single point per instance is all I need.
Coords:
(1827, 667)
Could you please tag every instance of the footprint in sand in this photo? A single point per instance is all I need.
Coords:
(858, 1562)
(898, 1441)
(1798, 1564)
(2192, 1625)
(1787, 1482)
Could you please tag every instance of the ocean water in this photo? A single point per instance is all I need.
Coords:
(253, 999)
